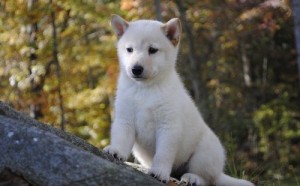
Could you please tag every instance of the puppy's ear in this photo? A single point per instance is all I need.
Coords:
(172, 30)
(119, 25)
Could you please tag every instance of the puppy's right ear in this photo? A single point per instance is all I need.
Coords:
(118, 24)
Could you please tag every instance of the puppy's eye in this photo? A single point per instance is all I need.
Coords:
(152, 50)
(129, 49)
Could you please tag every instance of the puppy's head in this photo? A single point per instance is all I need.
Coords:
(147, 49)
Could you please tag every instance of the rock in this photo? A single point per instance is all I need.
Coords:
(33, 153)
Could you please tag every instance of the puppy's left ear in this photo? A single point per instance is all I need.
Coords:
(172, 30)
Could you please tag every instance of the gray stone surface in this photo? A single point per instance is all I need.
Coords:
(41, 155)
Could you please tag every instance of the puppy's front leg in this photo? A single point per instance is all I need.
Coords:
(166, 150)
(122, 139)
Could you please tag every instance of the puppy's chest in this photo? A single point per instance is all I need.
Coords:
(147, 119)
(147, 107)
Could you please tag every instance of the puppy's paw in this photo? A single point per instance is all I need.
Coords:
(192, 179)
(115, 153)
(159, 174)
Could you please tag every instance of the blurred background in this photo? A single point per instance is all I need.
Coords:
(58, 64)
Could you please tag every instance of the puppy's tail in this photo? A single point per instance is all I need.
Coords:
(225, 180)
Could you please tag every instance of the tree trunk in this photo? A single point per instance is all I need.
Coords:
(194, 67)
(296, 14)
(246, 66)
(36, 86)
(58, 68)
(158, 10)
(33, 153)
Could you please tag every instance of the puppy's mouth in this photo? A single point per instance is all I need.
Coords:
(138, 78)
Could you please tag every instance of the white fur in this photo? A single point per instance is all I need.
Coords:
(154, 115)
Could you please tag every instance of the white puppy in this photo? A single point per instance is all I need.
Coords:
(154, 115)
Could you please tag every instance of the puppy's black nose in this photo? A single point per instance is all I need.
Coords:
(137, 70)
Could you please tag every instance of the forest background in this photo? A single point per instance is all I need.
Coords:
(237, 58)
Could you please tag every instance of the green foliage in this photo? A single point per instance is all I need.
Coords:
(87, 60)
(257, 121)
(278, 126)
